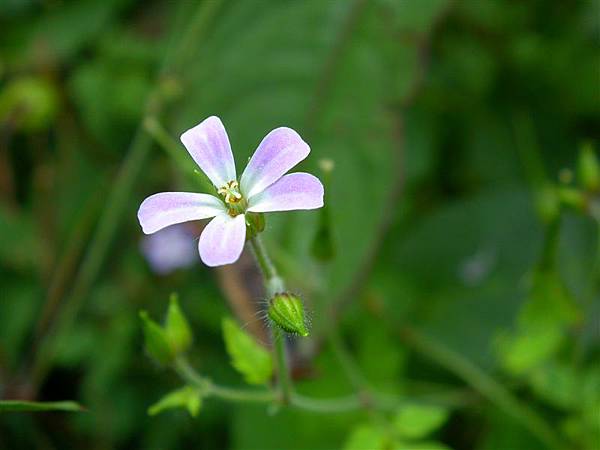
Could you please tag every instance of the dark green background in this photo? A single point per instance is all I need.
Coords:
(449, 123)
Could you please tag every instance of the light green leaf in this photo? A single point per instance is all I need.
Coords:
(155, 339)
(186, 397)
(23, 406)
(366, 437)
(418, 421)
(542, 325)
(177, 329)
(247, 356)
(420, 446)
(558, 384)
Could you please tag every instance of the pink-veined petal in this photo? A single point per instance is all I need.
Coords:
(279, 151)
(293, 191)
(222, 240)
(209, 146)
(168, 208)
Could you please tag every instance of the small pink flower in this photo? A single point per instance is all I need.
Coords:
(263, 187)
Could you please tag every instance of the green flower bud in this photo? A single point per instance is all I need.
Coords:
(177, 329)
(589, 169)
(155, 339)
(287, 311)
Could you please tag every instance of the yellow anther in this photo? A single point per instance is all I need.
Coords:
(230, 192)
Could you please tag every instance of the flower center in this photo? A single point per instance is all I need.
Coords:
(236, 204)
(231, 193)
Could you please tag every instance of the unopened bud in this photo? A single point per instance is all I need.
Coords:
(287, 311)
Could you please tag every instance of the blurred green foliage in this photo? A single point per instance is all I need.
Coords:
(447, 122)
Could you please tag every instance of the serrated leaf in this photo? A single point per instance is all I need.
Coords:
(418, 421)
(187, 397)
(24, 406)
(249, 358)
(177, 329)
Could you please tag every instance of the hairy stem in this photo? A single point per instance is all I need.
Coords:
(274, 284)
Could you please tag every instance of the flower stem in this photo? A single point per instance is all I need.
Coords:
(209, 389)
(274, 284)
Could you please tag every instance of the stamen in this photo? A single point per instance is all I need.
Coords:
(230, 192)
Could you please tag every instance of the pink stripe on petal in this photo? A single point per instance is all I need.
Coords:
(279, 151)
(168, 208)
(222, 241)
(293, 191)
(209, 146)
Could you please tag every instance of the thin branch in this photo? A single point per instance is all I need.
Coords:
(482, 383)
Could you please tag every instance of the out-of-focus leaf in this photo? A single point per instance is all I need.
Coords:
(60, 32)
(111, 98)
(186, 397)
(542, 325)
(415, 17)
(558, 384)
(418, 421)
(366, 437)
(26, 406)
(427, 445)
(588, 168)
(31, 103)
(249, 358)
(177, 329)
(155, 339)
(19, 244)
(18, 301)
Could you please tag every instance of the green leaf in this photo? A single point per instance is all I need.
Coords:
(24, 406)
(542, 325)
(186, 397)
(366, 437)
(558, 384)
(418, 421)
(419, 446)
(177, 329)
(247, 356)
(588, 168)
(156, 340)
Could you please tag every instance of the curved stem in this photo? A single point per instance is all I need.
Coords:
(328, 405)
(484, 384)
(208, 388)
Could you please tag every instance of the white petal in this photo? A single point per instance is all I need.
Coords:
(209, 146)
(293, 191)
(222, 241)
(279, 151)
(168, 208)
